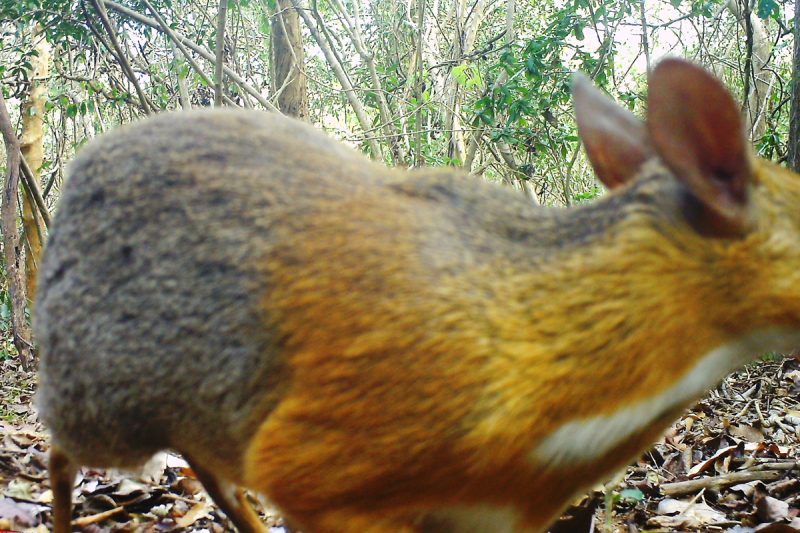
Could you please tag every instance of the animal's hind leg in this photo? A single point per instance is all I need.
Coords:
(230, 499)
(62, 479)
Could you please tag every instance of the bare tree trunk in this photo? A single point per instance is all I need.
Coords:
(794, 114)
(288, 61)
(420, 157)
(456, 148)
(220, 58)
(759, 74)
(32, 148)
(11, 243)
(645, 40)
(183, 91)
(341, 76)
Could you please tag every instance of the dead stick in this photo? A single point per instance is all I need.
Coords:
(718, 482)
(96, 518)
(775, 465)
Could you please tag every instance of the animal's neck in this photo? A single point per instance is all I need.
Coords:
(613, 320)
(599, 341)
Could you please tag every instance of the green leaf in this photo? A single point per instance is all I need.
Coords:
(577, 29)
(600, 12)
(460, 74)
(487, 116)
(264, 23)
(767, 8)
(632, 495)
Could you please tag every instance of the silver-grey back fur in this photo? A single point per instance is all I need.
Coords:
(148, 313)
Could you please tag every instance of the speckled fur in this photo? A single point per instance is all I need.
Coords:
(364, 345)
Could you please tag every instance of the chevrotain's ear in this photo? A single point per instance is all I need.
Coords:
(696, 128)
(615, 140)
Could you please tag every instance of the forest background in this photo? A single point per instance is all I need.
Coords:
(480, 84)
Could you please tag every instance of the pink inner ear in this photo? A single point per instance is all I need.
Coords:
(616, 142)
(695, 127)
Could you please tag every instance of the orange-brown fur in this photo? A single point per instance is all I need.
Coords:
(408, 418)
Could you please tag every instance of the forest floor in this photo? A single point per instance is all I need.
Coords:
(729, 464)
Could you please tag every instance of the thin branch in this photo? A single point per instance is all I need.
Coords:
(489, 47)
(183, 90)
(645, 42)
(232, 74)
(123, 61)
(353, 28)
(420, 21)
(748, 63)
(164, 27)
(220, 60)
(794, 113)
(35, 190)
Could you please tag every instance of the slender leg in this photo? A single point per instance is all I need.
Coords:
(62, 479)
(230, 499)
